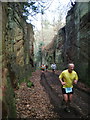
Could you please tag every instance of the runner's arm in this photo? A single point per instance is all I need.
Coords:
(61, 79)
(76, 79)
(63, 83)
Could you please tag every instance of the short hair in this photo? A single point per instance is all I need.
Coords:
(70, 64)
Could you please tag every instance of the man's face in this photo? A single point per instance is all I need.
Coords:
(71, 67)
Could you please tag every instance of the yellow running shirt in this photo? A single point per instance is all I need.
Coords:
(68, 78)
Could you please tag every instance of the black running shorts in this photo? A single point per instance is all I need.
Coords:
(64, 91)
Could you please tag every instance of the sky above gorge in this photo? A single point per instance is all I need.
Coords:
(52, 12)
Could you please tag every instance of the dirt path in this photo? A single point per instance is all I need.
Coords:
(34, 103)
(80, 103)
(43, 101)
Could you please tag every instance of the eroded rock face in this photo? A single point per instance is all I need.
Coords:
(17, 42)
(77, 38)
(17, 46)
(71, 44)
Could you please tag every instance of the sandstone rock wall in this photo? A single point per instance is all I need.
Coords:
(17, 54)
(71, 44)
(52, 52)
(0, 62)
(77, 38)
(17, 43)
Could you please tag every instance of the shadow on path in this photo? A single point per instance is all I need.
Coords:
(46, 80)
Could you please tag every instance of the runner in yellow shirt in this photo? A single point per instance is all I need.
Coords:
(68, 78)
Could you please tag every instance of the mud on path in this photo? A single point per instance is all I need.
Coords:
(43, 101)
(80, 105)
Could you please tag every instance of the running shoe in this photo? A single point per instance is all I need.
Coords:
(67, 109)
